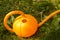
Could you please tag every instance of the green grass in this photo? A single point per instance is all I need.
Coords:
(49, 31)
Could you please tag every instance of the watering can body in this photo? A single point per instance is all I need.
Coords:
(25, 25)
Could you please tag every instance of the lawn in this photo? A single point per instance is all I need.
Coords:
(39, 9)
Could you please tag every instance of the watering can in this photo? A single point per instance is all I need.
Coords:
(25, 25)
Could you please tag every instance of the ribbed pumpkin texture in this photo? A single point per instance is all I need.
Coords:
(25, 26)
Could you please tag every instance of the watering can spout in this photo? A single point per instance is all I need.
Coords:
(48, 17)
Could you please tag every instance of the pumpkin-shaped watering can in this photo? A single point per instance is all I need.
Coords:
(25, 25)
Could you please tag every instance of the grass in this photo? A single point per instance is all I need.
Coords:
(49, 31)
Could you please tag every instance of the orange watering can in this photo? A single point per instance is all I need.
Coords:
(25, 25)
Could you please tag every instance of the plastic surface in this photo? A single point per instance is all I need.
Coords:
(25, 25)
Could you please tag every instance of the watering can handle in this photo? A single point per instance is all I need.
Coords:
(48, 17)
(10, 14)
